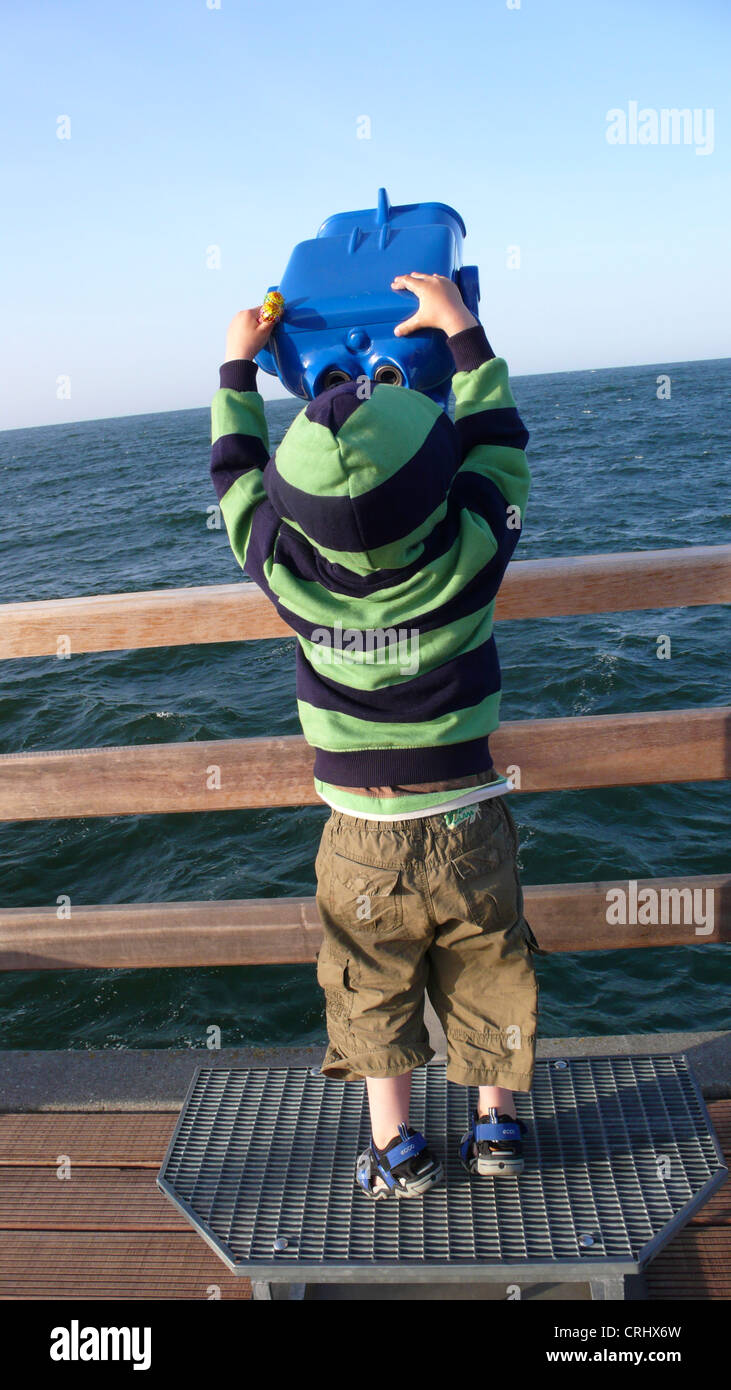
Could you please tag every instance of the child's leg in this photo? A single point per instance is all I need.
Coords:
(497, 1097)
(482, 980)
(388, 1099)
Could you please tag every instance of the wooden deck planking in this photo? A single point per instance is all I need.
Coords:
(115, 1138)
(107, 1232)
(695, 1265)
(108, 1265)
(91, 1199)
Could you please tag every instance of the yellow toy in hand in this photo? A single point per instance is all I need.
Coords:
(272, 308)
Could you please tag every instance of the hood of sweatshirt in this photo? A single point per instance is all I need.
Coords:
(363, 473)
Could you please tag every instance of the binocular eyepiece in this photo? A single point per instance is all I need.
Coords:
(388, 374)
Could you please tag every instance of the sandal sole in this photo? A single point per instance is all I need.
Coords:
(497, 1165)
(417, 1188)
(494, 1167)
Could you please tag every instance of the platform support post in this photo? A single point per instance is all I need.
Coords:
(276, 1292)
(608, 1288)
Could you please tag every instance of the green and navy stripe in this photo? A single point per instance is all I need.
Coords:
(379, 513)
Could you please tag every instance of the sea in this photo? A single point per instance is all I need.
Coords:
(623, 459)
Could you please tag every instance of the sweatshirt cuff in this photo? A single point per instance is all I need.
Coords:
(238, 375)
(470, 348)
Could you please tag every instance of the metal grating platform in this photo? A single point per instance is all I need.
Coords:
(620, 1154)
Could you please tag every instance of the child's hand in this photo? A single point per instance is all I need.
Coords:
(440, 304)
(246, 336)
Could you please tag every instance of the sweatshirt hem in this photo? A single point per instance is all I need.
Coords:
(392, 767)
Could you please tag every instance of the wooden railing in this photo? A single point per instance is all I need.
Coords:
(286, 931)
(240, 612)
(547, 755)
(603, 750)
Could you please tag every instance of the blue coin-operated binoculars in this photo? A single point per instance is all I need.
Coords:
(340, 310)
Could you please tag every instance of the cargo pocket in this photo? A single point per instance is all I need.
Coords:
(334, 979)
(365, 897)
(488, 884)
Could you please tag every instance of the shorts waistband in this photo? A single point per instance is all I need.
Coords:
(414, 827)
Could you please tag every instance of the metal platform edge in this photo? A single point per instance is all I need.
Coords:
(293, 1273)
(653, 1247)
(184, 1207)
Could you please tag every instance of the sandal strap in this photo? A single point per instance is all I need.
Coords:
(384, 1173)
(365, 1176)
(496, 1132)
(410, 1146)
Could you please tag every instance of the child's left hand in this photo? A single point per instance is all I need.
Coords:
(246, 336)
(440, 304)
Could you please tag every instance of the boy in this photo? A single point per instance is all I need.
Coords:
(381, 531)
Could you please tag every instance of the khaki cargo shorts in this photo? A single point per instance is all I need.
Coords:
(419, 905)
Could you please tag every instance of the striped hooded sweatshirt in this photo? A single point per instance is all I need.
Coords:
(381, 531)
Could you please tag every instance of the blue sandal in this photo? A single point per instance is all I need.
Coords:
(493, 1147)
(406, 1166)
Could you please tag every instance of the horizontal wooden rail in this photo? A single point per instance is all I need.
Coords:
(287, 931)
(607, 750)
(238, 612)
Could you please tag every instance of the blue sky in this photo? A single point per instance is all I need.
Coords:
(237, 127)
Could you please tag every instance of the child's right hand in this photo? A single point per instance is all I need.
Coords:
(246, 336)
(440, 304)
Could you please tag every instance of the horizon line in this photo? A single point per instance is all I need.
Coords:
(180, 410)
